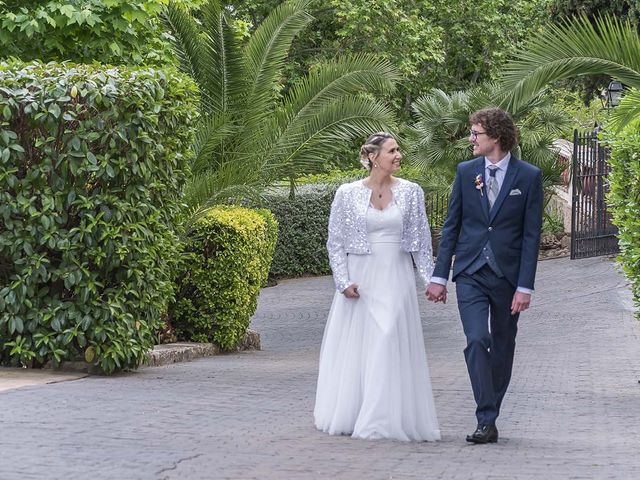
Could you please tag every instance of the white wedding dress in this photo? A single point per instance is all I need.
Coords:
(373, 379)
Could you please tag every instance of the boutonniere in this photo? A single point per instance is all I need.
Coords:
(479, 183)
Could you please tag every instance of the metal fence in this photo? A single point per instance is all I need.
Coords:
(437, 205)
(592, 232)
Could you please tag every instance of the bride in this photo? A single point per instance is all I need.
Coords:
(373, 377)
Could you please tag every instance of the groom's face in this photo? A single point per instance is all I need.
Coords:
(482, 143)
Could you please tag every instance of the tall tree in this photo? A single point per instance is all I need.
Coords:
(250, 135)
(562, 10)
(479, 35)
(434, 43)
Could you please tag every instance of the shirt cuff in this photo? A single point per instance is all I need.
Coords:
(524, 290)
(439, 280)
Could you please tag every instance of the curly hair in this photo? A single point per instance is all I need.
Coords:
(499, 125)
(372, 145)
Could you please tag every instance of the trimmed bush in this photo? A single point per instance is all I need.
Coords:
(302, 237)
(624, 197)
(226, 261)
(92, 161)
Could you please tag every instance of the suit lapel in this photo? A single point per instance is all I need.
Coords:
(510, 176)
(482, 193)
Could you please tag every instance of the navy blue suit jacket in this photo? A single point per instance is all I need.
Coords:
(512, 226)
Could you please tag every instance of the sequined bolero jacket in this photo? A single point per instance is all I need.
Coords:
(348, 228)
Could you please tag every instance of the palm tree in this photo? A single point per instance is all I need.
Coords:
(250, 135)
(440, 134)
(608, 46)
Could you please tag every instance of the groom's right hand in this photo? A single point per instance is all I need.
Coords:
(436, 292)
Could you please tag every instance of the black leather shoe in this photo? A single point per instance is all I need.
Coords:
(484, 434)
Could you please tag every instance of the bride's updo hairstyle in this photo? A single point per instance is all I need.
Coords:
(372, 145)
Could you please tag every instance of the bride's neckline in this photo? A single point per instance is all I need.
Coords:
(385, 208)
(392, 185)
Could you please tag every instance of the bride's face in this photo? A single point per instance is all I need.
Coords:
(389, 156)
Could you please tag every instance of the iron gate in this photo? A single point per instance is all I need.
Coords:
(592, 233)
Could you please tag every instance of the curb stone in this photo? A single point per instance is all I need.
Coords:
(165, 354)
(169, 353)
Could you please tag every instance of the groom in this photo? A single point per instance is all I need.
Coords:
(493, 229)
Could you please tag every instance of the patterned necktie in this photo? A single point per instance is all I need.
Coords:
(492, 186)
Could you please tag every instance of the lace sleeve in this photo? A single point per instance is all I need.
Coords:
(335, 243)
(423, 258)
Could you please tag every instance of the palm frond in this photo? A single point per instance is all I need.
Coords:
(576, 47)
(308, 144)
(248, 138)
(347, 75)
(208, 53)
(627, 113)
(209, 142)
(186, 40)
(223, 58)
(217, 186)
(266, 53)
(440, 134)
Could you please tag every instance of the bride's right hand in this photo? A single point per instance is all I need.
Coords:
(351, 291)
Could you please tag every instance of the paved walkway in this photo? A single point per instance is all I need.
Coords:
(572, 412)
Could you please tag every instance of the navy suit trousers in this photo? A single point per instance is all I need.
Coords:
(484, 302)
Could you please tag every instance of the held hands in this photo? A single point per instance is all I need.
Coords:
(436, 292)
(520, 302)
(351, 291)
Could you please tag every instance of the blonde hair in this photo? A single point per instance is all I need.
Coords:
(372, 145)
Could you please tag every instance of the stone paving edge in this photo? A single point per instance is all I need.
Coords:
(165, 354)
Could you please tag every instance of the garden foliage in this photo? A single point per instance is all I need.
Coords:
(224, 265)
(91, 164)
(252, 134)
(106, 31)
(302, 237)
(624, 197)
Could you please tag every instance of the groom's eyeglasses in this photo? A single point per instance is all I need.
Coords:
(473, 134)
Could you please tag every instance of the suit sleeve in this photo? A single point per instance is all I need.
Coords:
(531, 233)
(450, 231)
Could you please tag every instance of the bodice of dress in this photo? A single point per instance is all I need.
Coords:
(384, 226)
(348, 232)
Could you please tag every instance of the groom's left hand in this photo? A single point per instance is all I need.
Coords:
(520, 302)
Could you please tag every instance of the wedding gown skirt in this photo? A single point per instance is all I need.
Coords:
(373, 379)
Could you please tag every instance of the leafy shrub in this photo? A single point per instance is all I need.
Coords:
(302, 220)
(113, 31)
(91, 164)
(226, 261)
(624, 197)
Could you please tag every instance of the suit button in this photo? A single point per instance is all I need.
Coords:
(490, 229)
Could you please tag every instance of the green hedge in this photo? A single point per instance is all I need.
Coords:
(91, 165)
(624, 197)
(302, 237)
(225, 263)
